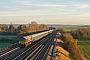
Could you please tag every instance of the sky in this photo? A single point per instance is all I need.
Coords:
(45, 11)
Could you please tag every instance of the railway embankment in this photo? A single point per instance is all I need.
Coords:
(61, 53)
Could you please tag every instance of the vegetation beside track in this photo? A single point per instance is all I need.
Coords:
(6, 40)
(83, 35)
(84, 46)
(70, 44)
(2, 45)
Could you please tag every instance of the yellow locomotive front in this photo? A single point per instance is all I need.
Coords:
(22, 42)
(25, 41)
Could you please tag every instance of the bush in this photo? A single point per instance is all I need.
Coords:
(71, 45)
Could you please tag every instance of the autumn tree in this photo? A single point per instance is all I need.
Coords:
(71, 45)
(21, 28)
(62, 30)
(75, 34)
(30, 29)
(4, 27)
(0, 30)
(43, 27)
(81, 33)
(33, 27)
(12, 28)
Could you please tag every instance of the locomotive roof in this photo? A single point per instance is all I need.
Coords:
(36, 34)
(27, 36)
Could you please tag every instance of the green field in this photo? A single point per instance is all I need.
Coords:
(71, 27)
(4, 44)
(84, 46)
(74, 27)
(8, 36)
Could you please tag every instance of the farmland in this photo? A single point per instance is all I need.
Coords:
(6, 43)
(74, 27)
(8, 36)
(69, 27)
(2, 45)
(84, 46)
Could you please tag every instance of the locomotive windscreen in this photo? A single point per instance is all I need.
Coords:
(22, 39)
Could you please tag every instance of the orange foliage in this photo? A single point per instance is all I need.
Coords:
(71, 45)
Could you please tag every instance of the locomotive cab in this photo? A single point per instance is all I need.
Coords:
(25, 41)
(22, 42)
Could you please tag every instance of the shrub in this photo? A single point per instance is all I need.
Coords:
(71, 45)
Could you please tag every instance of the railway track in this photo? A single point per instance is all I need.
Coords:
(8, 49)
(36, 51)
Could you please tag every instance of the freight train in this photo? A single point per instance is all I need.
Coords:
(26, 40)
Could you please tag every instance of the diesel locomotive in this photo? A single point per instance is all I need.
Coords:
(26, 40)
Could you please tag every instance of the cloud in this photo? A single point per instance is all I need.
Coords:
(21, 1)
(9, 13)
(71, 14)
(81, 5)
(24, 12)
(40, 7)
(45, 5)
(67, 10)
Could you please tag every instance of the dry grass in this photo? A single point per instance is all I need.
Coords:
(61, 54)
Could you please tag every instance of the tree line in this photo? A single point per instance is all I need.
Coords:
(21, 29)
(70, 44)
(81, 33)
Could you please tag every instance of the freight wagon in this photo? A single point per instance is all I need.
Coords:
(26, 40)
